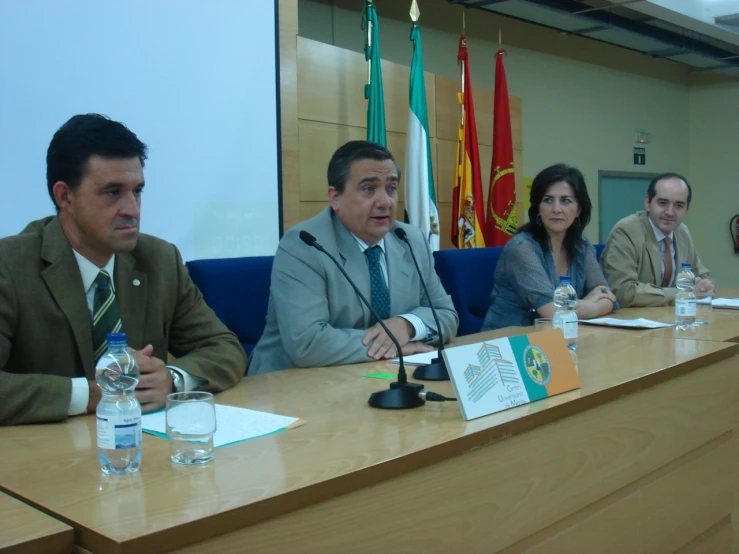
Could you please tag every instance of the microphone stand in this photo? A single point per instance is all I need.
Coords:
(436, 370)
(401, 395)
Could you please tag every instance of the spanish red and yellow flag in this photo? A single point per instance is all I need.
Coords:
(468, 214)
(501, 219)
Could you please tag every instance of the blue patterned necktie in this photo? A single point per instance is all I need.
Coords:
(105, 316)
(380, 292)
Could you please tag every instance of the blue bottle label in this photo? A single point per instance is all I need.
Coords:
(119, 432)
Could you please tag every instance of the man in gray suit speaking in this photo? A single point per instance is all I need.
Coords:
(315, 318)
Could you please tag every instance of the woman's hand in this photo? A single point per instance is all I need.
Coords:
(598, 293)
(599, 301)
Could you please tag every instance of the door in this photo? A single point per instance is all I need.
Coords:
(620, 194)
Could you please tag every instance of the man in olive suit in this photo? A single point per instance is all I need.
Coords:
(68, 280)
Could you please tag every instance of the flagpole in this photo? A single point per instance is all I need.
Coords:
(369, 47)
(373, 92)
(462, 65)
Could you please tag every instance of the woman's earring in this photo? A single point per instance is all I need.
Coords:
(577, 222)
(538, 220)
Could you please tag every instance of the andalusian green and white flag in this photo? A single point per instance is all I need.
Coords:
(373, 91)
(420, 198)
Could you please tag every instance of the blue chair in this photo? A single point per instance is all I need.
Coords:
(468, 276)
(237, 290)
(598, 250)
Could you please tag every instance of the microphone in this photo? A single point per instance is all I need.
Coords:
(402, 394)
(436, 370)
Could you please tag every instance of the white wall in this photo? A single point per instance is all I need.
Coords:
(194, 80)
(714, 176)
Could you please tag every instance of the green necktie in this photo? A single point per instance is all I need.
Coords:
(105, 316)
(380, 292)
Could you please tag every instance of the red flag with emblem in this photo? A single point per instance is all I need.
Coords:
(501, 221)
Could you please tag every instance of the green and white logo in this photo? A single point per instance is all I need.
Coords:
(537, 365)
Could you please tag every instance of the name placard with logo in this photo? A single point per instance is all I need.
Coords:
(492, 376)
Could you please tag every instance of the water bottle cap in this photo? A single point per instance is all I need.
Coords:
(686, 266)
(117, 339)
(565, 279)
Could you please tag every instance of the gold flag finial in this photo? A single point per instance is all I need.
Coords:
(415, 12)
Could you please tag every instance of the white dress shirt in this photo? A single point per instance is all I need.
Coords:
(80, 386)
(422, 332)
(661, 241)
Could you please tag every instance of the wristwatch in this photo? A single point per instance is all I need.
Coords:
(178, 383)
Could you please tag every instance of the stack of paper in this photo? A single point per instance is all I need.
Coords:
(639, 323)
(728, 303)
(233, 424)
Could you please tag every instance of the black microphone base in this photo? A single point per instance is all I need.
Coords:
(435, 371)
(400, 396)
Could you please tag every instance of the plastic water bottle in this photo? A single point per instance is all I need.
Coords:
(565, 317)
(119, 412)
(685, 299)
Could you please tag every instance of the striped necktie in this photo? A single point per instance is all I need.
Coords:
(105, 316)
(380, 292)
(667, 277)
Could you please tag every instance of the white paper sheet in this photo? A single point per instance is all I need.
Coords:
(728, 303)
(233, 424)
(639, 323)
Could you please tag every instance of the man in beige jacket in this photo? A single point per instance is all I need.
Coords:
(645, 251)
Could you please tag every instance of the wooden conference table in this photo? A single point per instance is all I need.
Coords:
(641, 458)
(723, 324)
(25, 530)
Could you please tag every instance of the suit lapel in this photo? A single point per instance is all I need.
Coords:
(62, 277)
(399, 271)
(354, 263)
(655, 256)
(130, 291)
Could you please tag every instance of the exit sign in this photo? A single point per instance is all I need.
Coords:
(640, 156)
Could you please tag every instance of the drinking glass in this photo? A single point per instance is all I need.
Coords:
(191, 423)
(543, 324)
(703, 310)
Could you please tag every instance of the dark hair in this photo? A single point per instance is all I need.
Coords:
(652, 188)
(80, 138)
(341, 161)
(542, 182)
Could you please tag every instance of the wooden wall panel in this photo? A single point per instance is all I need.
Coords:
(331, 87)
(318, 141)
(290, 149)
(445, 222)
(717, 540)
(332, 110)
(690, 481)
